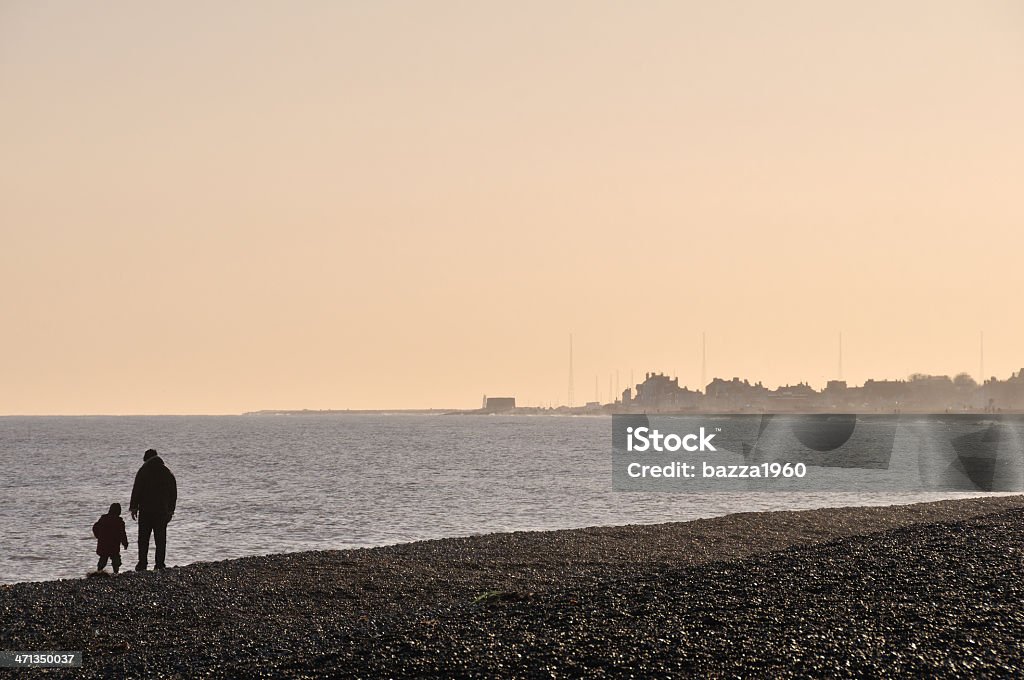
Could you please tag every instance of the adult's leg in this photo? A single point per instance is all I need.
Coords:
(102, 563)
(160, 534)
(145, 528)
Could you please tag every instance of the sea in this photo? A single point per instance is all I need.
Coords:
(259, 484)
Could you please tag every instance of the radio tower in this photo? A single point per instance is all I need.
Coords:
(840, 356)
(703, 361)
(981, 362)
(571, 380)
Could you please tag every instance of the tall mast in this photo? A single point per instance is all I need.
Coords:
(703, 361)
(571, 380)
(840, 355)
(981, 359)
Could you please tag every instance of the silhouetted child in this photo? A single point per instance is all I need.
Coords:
(110, 536)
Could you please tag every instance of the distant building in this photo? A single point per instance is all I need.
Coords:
(735, 394)
(920, 393)
(658, 392)
(882, 395)
(836, 394)
(499, 404)
(995, 394)
(797, 397)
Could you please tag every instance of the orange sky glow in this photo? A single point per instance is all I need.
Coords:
(223, 207)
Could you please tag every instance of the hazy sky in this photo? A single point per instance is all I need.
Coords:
(227, 206)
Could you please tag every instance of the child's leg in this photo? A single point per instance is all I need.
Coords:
(115, 562)
(102, 563)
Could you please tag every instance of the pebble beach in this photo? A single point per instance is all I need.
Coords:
(925, 589)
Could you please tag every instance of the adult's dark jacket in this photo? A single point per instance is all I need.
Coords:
(155, 492)
(109, 530)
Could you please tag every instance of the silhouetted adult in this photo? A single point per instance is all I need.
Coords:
(154, 496)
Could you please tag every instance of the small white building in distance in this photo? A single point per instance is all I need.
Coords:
(499, 404)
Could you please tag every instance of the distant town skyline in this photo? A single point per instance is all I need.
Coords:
(918, 393)
(220, 208)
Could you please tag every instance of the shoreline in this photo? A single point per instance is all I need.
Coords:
(408, 608)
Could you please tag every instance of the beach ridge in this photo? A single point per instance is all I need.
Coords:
(640, 598)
